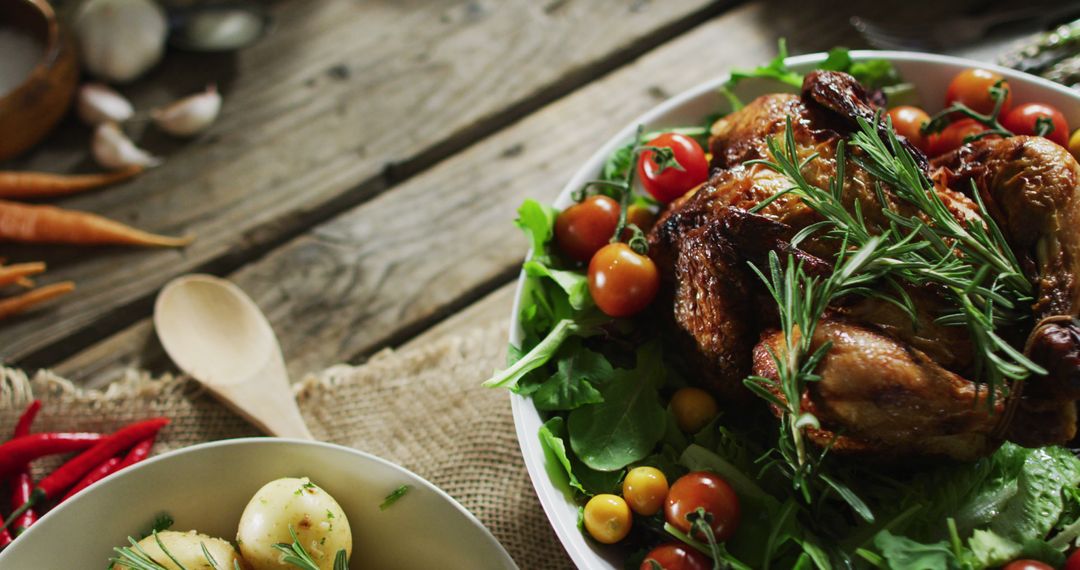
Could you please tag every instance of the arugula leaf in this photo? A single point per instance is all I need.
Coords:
(574, 473)
(627, 425)
(775, 69)
(551, 439)
(902, 553)
(537, 221)
(573, 385)
(574, 283)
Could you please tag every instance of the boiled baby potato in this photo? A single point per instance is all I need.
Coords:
(315, 517)
(186, 547)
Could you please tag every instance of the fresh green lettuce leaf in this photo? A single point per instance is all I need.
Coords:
(902, 553)
(1039, 500)
(574, 283)
(628, 424)
(574, 384)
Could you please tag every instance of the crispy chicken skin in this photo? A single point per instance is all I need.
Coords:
(890, 388)
(884, 394)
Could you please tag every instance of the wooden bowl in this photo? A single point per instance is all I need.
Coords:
(32, 109)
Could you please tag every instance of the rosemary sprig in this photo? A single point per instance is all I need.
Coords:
(298, 556)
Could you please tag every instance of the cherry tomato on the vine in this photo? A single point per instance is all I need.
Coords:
(1024, 119)
(622, 282)
(972, 88)
(953, 136)
(707, 491)
(674, 181)
(676, 556)
(908, 121)
(582, 229)
(607, 518)
(1027, 565)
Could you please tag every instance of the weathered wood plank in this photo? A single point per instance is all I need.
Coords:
(315, 117)
(381, 272)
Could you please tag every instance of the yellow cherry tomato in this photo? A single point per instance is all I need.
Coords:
(607, 518)
(645, 489)
(1074, 144)
(694, 408)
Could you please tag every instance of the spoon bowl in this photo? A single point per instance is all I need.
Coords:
(214, 332)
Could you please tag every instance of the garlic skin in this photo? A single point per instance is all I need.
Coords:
(99, 104)
(120, 39)
(191, 115)
(113, 150)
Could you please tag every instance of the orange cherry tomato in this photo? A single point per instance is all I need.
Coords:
(1024, 119)
(907, 121)
(622, 281)
(707, 491)
(972, 88)
(645, 489)
(953, 136)
(676, 556)
(670, 183)
(582, 229)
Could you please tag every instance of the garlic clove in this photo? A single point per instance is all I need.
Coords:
(191, 115)
(100, 104)
(120, 39)
(113, 150)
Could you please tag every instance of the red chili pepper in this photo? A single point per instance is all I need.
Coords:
(96, 474)
(70, 473)
(21, 482)
(22, 485)
(18, 452)
(22, 427)
(138, 453)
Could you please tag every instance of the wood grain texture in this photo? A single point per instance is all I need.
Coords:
(382, 272)
(342, 99)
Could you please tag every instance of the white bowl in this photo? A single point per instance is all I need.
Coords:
(930, 74)
(206, 487)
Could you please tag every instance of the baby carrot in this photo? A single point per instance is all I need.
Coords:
(44, 185)
(28, 223)
(23, 301)
(15, 273)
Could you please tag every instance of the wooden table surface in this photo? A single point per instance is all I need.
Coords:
(362, 179)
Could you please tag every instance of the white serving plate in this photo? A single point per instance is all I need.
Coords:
(930, 74)
(206, 487)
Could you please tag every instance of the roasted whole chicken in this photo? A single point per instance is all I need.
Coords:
(889, 387)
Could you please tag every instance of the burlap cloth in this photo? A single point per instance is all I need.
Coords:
(422, 408)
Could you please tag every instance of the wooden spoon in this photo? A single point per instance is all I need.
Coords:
(216, 333)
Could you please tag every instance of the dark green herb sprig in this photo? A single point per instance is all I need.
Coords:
(394, 497)
(999, 92)
(296, 555)
(972, 261)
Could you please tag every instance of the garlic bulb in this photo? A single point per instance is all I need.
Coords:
(120, 39)
(99, 104)
(113, 150)
(189, 116)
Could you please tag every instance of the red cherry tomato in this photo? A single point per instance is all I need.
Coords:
(1023, 120)
(582, 229)
(622, 281)
(1073, 563)
(908, 121)
(1027, 565)
(670, 183)
(953, 136)
(708, 491)
(972, 88)
(676, 556)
